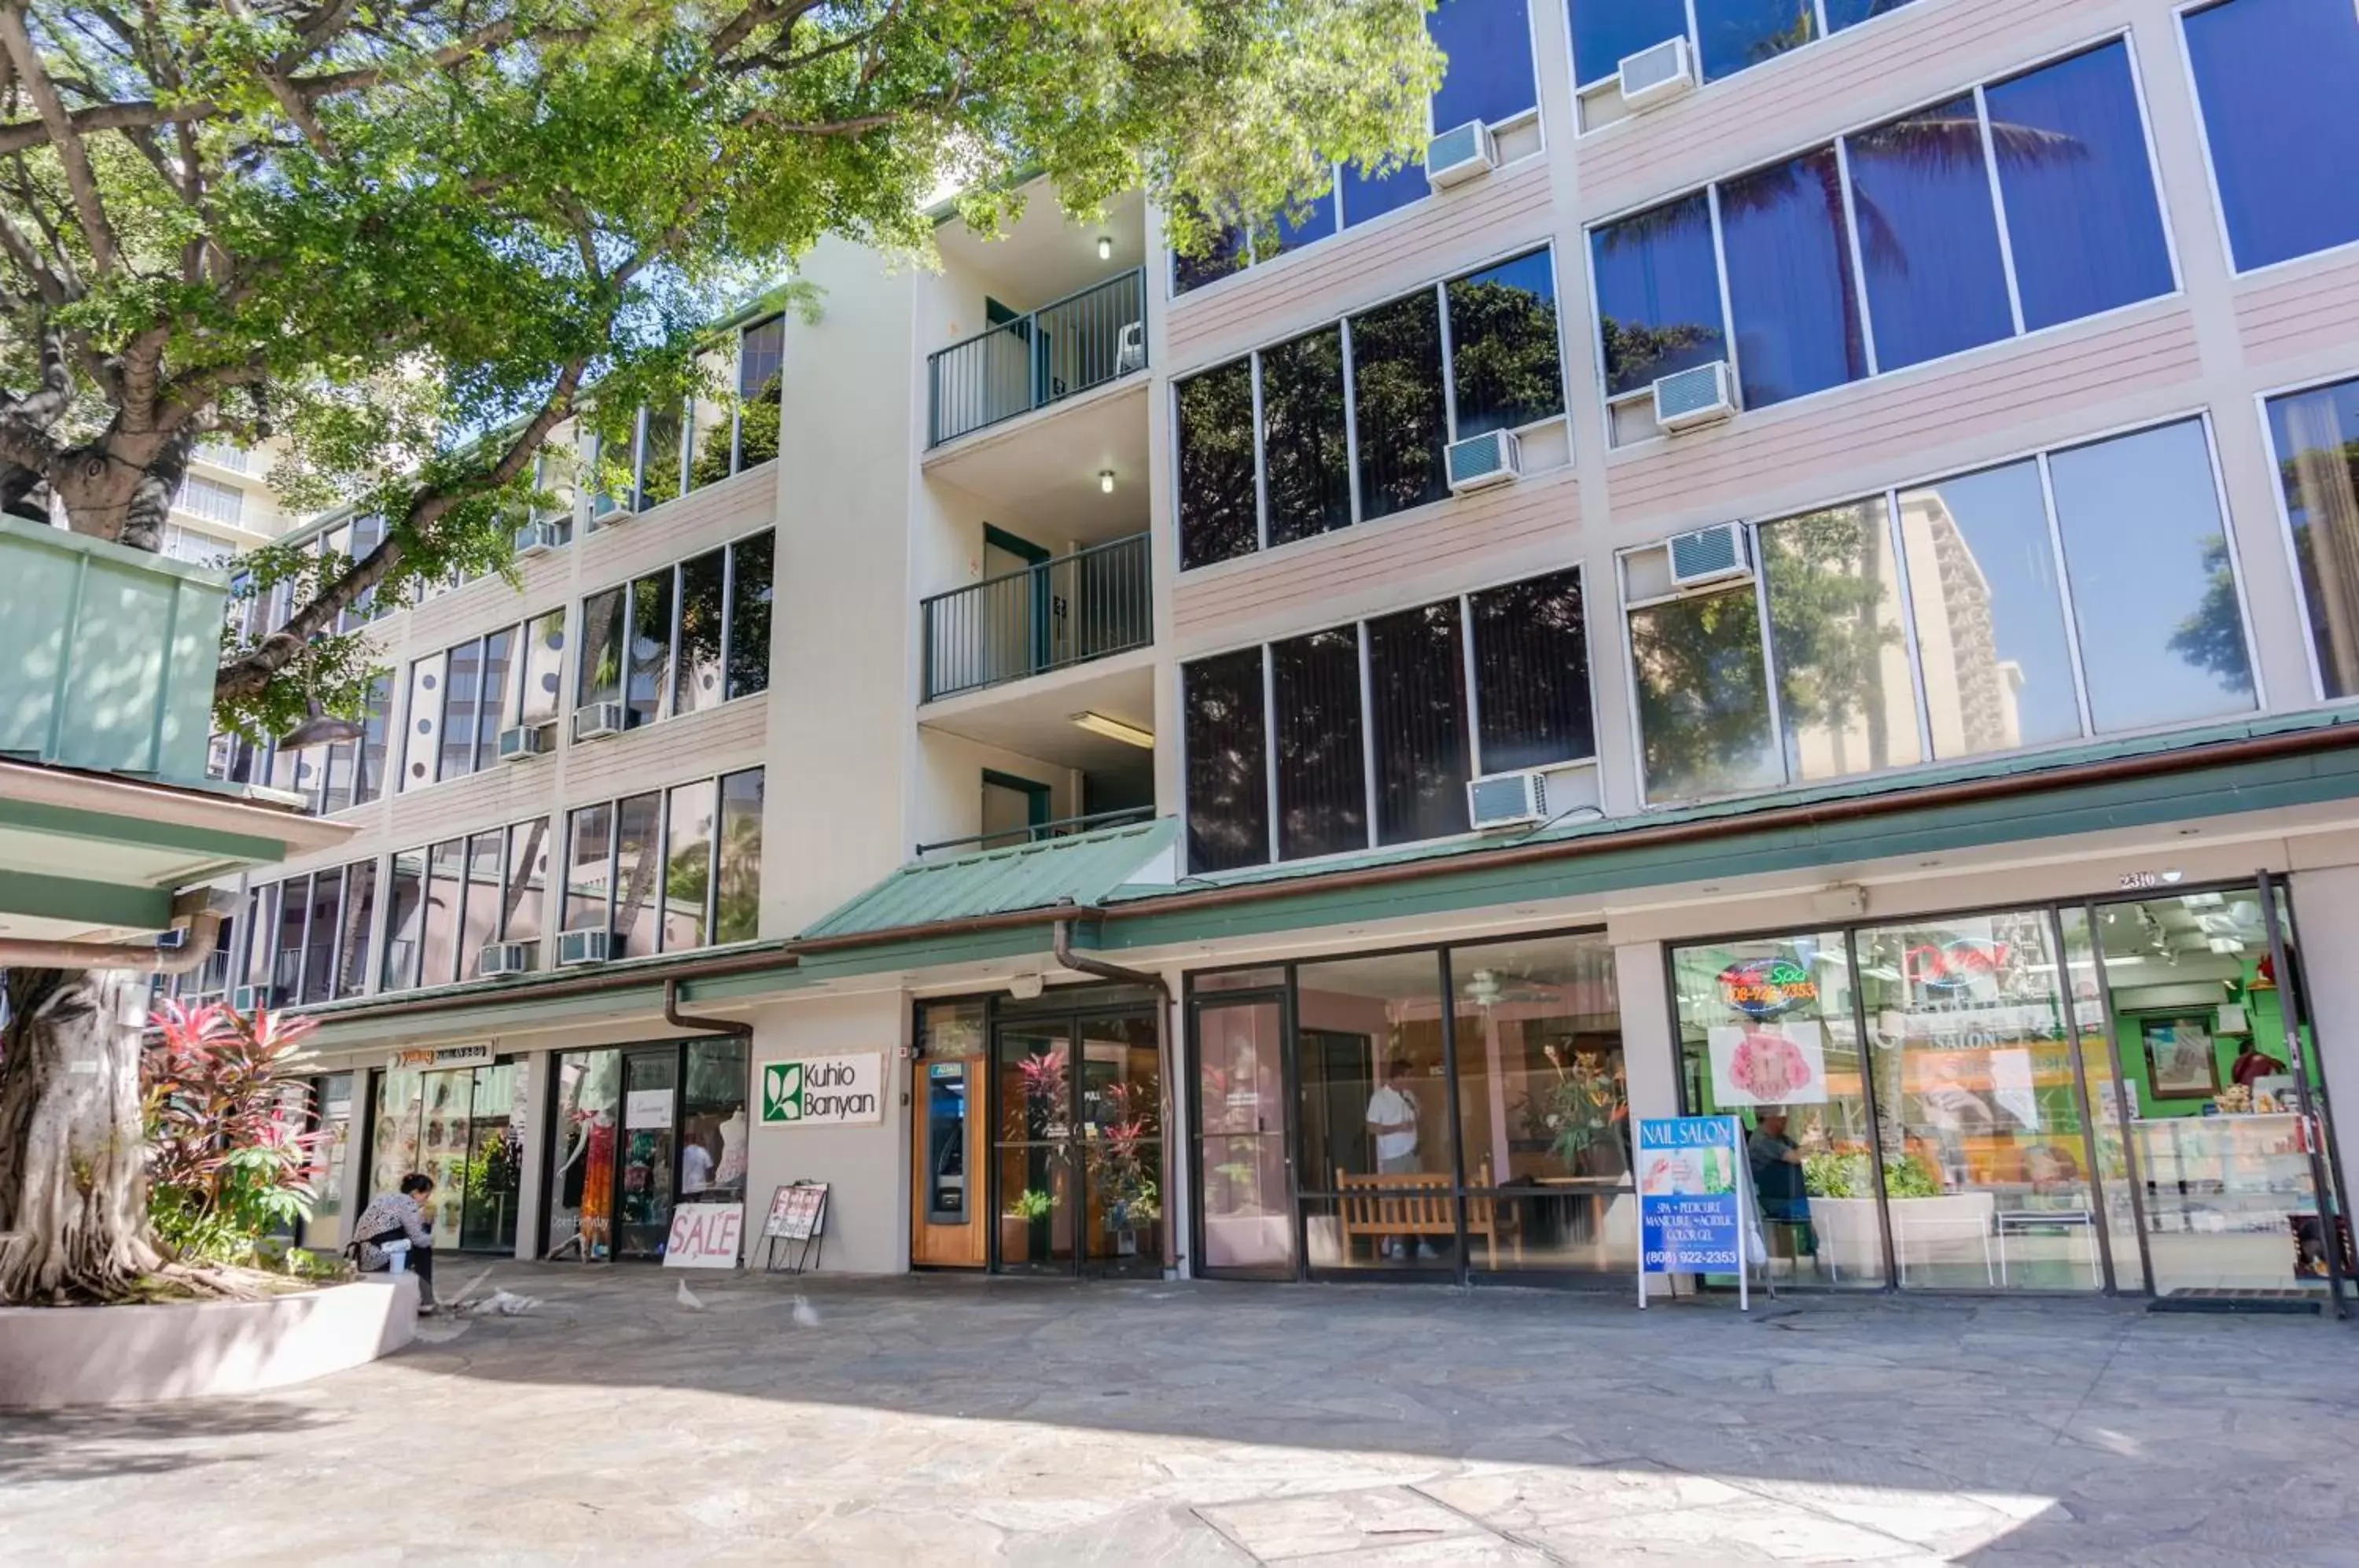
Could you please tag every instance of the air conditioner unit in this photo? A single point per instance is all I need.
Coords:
(1480, 461)
(501, 959)
(575, 947)
(252, 998)
(1716, 554)
(536, 539)
(1657, 75)
(598, 721)
(526, 740)
(1704, 396)
(1459, 154)
(1508, 799)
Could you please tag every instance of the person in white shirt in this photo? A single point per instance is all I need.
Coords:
(1392, 1118)
(695, 1168)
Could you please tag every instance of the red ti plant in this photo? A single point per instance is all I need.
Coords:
(230, 1159)
(1041, 1078)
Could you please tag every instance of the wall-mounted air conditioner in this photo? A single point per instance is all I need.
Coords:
(1717, 554)
(501, 959)
(1480, 461)
(1462, 153)
(1704, 396)
(576, 947)
(1508, 799)
(598, 721)
(521, 740)
(252, 998)
(1658, 75)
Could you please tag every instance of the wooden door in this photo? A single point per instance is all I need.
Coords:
(947, 1198)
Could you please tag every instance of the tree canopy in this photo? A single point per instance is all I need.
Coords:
(403, 241)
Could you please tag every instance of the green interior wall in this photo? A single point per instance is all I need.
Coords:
(2263, 1012)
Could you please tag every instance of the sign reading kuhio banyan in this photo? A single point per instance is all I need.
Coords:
(824, 1090)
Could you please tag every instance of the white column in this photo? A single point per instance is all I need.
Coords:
(536, 1150)
(1650, 1049)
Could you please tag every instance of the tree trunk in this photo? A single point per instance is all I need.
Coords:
(73, 1179)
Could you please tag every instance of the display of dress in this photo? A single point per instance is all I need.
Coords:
(597, 1219)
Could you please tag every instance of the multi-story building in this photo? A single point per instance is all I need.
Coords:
(1799, 567)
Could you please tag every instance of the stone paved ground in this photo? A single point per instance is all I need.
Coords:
(963, 1421)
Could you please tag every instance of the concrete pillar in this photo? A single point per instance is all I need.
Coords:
(1650, 1046)
(536, 1068)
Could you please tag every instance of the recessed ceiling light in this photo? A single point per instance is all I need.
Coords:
(1114, 729)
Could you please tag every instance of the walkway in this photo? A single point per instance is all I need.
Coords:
(962, 1421)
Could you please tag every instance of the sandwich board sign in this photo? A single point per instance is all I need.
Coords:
(1692, 1203)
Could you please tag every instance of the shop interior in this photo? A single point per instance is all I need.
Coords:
(464, 1127)
(639, 1128)
(2080, 1098)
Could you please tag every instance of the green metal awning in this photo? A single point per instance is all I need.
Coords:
(1080, 870)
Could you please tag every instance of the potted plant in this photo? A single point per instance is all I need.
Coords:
(1120, 1170)
(1024, 1226)
(1843, 1206)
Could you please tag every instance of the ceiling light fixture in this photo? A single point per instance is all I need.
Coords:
(1114, 729)
(1106, 481)
(1105, 247)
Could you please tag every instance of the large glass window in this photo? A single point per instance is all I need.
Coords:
(2281, 117)
(1505, 370)
(1732, 34)
(2153, 581)
(1607, 32)
(493, 701)
(1228, 761)
(1398, 412)
(523, 910)
(1305, 452)
(1704, 697)
(1989, 613)
(480, 915)
(586, 1133)
(601, 673)
(588, 866)
(761, 353)
(650, 685)
(368, 776)
(696, 680)
(751, 565)
(1416, 684)
(1322, 786)
(1845, 702)
(1791, 291)
(1217, 503)
(1657, 279)
(1767, 1034)
(356, 923)
(2316, 438)
(715, 609)
(638, 844)
(688, 864)
(1531, 673)
(738, 899)
(1936, 282)
(405, 919)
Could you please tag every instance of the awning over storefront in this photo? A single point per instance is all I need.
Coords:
(1082, 870)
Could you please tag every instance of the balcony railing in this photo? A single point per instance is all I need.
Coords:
(1082, 341)
(1089, 605)
(1041, 832)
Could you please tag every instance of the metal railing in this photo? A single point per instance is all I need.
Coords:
(1040, 833)
(1082, 341)
(1070, 609)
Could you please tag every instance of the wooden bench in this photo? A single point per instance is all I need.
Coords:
(1418, 1203)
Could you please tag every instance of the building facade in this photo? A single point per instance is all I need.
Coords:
(1798, 571)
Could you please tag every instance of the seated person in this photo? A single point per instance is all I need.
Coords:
(398, 1219)
(1777, 1162)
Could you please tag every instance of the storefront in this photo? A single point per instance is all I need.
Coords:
(1036, 1132)
(636, 1129)
(457, 1114)
(2116, 1095)
(1450, 1112)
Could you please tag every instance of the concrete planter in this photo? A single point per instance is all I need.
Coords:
(54, 1356)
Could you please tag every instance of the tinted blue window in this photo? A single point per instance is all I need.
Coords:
(2081, 208)
(1928, 236)
(1606, 32)
(2279, 84)
(2317, 444)
(1790, 281)
(1367, 196)
(1489, 43)
(1226, 256)
(1842, 14)
(1316, 225)
(1738, 33)
(1658, 294)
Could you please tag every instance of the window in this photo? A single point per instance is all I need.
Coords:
(1476, 353)
(446, 891)
(405, 922)
(599, 676)
(1823, 669)
(1228, 761)
(461, 700)
(523, 912)
(667, 871)
(479, 919)
(2275, 81)
(703, 600)
(539, 689)
(368, 777)
(462, 695)
(661, 434)
(728, 425)
(1999, 212)
(2315, 436)
(309, 934)
(1364, 731)
(714, 609)
(747, 639)
(1728, 34)
(648, 689)
(1488, 47)
(450, 900)
(212, 500)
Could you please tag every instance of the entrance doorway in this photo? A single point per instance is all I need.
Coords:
(464, 1128)
(1077, 1141)
(638, 1129)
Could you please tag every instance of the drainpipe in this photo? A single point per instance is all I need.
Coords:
(689, 1023)
(197, 913)
(1062, 946)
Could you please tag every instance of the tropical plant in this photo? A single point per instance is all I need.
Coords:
(1032, 1205)
(1041, 1094)
(1121, 1159)
(1832, 1174)
(1577, 1109)
(230, 1156)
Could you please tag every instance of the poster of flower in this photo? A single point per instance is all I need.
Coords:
(1782, 1064)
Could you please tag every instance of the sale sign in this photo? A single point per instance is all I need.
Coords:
(704, 1236)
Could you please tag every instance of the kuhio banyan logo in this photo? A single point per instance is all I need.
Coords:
(782, 1091)
(824, 1090)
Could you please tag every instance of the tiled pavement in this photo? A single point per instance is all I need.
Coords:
(963, 1421)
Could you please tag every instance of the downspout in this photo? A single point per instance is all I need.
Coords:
(690, 1023)
(1062, 946)
(195, 913)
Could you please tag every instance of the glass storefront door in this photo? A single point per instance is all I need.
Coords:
(650, 1084)
(464, 1127)
(1077, 1144)
(1119, 1129)
(1246, 1177)
(1032, 1164)
(637, 1129)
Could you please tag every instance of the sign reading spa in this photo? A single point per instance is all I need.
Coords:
(824, 1090)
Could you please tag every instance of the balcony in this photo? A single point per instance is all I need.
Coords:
(1063, 349)
(1091, 605)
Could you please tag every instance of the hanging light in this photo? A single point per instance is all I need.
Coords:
(1106, 481)
(1105, 247)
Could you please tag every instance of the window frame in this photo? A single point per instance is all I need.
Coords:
(2178, 15)
(1887, 497)
(1439, 290)
(562, 818)
(509, 698)
(667, 708)
(1581, 90)
(1837, 141)
(587, 496)
(2261, 401)
(1472, 712)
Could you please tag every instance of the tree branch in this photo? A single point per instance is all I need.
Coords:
(80, 179)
